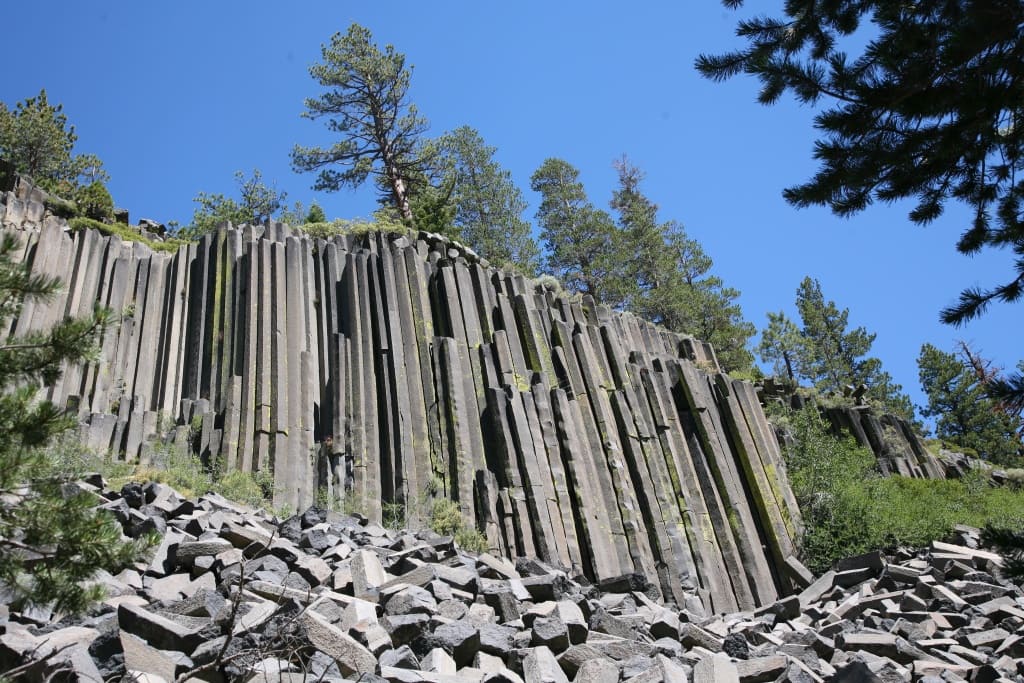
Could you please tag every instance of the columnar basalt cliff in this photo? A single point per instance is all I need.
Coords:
(375, 369)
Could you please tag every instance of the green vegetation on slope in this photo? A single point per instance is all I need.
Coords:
(848, 508)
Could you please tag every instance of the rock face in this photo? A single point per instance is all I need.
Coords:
(366, 370)
(232, 595)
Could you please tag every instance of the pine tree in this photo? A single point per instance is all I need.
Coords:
(487, 205)
(963, 414)
(257, 202)
(932, 108)
(51, 539)
(367, 103)
(651, 265)
(832, 358)
(781, 345)
(35, 137)
(583, 242)
(668, 278)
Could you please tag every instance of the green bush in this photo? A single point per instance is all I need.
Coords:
(187, 474)
(62, 208)
(393, 515)
(95, 202)
(446, 519)
(255, 490)
(848, 508)
(316, 214)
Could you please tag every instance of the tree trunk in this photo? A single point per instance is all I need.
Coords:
(401, 199)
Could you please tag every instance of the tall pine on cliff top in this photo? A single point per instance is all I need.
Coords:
(584, 249)
(367, 104)
(931, 109)
(669, 276)
(487, 205)
(781, 345)
(51, 538)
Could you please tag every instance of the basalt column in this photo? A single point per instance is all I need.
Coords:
(377, 372)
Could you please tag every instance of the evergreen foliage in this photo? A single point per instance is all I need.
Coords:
(667, 276)
(366, 102)
(95, 202)
(932, 108)
(316, 214)
(256, 204)
(584, 247)
(781, 345)
(52, 539)
(488, 207)
(827, 354)
(1008, 391)
(1010, 544)
(640, 263)
(35, 137)
(848, 509)
(964, 415)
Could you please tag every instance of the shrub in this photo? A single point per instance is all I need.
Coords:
(393, 515)
(316, 214)
(94, 201)
(848, 508)
(446, 519)
(358, 227)
(186, 473)
(62, 208)
(253, 489)
(549, 282)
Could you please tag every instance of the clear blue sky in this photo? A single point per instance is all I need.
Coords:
(175, 97)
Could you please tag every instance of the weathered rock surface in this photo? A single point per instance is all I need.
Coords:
(423, 615)
(367, 370)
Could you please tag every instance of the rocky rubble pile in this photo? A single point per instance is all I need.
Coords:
(232, 594)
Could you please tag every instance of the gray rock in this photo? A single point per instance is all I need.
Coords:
(573, 659)
(635, 666)
(600, 670)
(460, 639)
(160, 631)
(351, 657)
(142, 657)
(496, 639)
(188, 551)
(368, 574)
(411, 600)
(551, 633)
(715, 668)
(405, 628)
(540, 666)
(402, 658)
